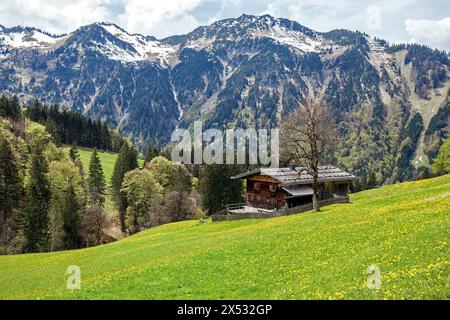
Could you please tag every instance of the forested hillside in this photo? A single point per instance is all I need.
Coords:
(57, 197)
(71, 127)
(49, 200)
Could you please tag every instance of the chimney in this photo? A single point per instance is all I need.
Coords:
(292, 164)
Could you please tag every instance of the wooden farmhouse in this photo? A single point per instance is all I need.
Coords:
(281, 188)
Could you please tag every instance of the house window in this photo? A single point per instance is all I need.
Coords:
(257, 186)
(273, 188)
(341, 189)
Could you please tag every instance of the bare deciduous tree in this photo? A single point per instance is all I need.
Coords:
(308, 137)
(95, 222)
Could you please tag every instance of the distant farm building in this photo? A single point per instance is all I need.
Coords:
(282, 191)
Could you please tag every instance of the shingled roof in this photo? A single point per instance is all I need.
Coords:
(288, 176)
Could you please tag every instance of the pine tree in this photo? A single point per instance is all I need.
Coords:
(96, 181)
(37, 197)
(52, 129)
(14, 108)
(4, 106)
(126, 161)
(9, 108)
(36, 111)
(441, 164)
(73, 153)
(71, 219)
(10, 183)
(152, 152)
(106, 137)
(217, 189)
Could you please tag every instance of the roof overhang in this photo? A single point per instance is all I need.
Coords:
(300, 181)
(309, 181)
(247, 174)
(298, 192)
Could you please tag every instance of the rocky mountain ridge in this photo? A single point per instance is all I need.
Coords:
(247, 72)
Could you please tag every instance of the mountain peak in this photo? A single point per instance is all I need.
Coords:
(115, 29)
(246, 20)
(116, 43)
(27, 37)
(281, 31)
(255, 18)
(269, 21)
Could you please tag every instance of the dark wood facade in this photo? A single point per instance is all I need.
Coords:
(265, 192)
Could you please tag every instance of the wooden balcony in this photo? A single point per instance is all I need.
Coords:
(242, 211)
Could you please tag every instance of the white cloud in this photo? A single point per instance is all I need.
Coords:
(224, 6)
(434, 33)
(147, 17)
(53, 16)
(162, 18)
(273, 8)
(151, 16)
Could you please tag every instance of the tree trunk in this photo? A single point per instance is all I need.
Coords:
(316, 207)
(315, 187)
(122, 218)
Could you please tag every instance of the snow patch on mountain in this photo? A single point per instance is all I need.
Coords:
(200, 44)
(289, 37)
(374, 45)
(281, 31)
(28, 39)
(146, 48)
(295, 39)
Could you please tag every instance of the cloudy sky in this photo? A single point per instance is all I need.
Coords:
(426, 22)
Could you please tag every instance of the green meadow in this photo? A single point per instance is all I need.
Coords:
(401, 229)
(107, 159)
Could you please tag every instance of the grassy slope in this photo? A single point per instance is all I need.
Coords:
(401, 228)
(107, 159)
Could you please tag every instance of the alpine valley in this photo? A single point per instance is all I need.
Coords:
(391, 102)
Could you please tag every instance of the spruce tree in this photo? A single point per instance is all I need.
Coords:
(218, 189)
(70, 219)
(52, 129)
(9, 108)
(14, 107)
(106, 137)
(441, 164)
(96, 181)
(4, 106)
(152, 152)
(36, 205)
(73, 153)
(126, 161)
(10, 182)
